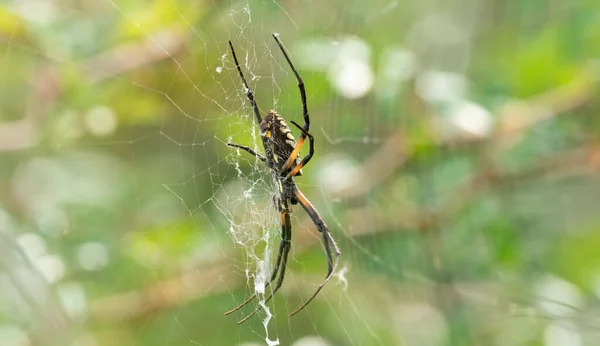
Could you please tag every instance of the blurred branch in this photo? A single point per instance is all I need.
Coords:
(49, 323)
(518, 116)
(24, 133)
(581, 161)
(192, 284)
(47, 88)
(514, 119)
(128, 57)
(213, 278)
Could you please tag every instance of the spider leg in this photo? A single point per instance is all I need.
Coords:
(300, 83)
(302, 89)
(331, 248)
(284, 250)
(307, 158)
(285, 241)
(292, 158)
(249, 93)
(245, 148)
(275, 269)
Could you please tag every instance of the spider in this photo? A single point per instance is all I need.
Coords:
(281, 157)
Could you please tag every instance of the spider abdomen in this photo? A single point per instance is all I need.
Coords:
(278, 140)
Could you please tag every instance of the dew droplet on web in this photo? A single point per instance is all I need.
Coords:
(219, 69)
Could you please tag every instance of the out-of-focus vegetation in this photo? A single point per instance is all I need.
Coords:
(458, 152)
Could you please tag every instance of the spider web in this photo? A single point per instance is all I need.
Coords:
(192, 178)
(243, 192)
(130, 178)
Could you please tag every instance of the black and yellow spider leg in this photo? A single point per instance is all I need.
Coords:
(291, 159)
(307, 158)
(328, 243)
(249, 93)
(245, 148)
(286, 243)
(277, 262)
(300, 84)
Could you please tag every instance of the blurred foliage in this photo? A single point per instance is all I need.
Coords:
(460, 180)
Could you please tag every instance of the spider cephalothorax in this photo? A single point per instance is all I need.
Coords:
(281, 157)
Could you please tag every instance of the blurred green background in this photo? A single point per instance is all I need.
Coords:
(457, 165)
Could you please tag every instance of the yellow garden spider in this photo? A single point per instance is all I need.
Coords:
(281, 157)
